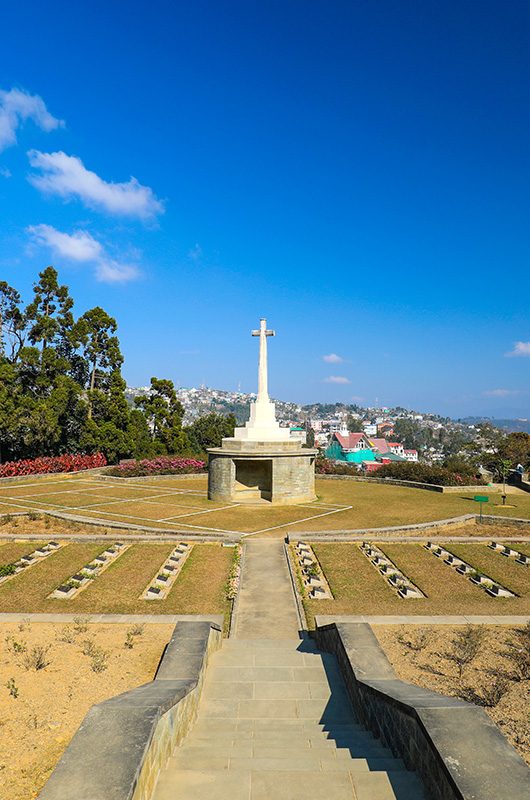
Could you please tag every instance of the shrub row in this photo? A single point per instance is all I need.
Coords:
(404, 471)
(324, 466)
(66, 463)
(427, 473)
(163, 465)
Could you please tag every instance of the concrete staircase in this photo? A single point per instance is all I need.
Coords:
(275, 722)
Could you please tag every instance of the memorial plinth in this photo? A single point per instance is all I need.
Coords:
(261, 462)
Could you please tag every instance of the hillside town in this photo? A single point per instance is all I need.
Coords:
(367, 437)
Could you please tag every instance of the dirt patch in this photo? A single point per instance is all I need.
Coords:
(42, 709)
(424, 655)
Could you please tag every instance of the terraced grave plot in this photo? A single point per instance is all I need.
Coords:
(404, 587)
(310, 573)
(510, 551)
(486, 582)
(503, 570)
(200, 588)
(358, 589)
(160, 585)
(90, 572)
(28, 591)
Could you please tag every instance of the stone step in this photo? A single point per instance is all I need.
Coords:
(271, 727)
(283, 784)
(275, 751)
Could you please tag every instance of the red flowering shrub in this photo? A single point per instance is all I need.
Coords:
(325, 466)
(66, 463)
(162, 465)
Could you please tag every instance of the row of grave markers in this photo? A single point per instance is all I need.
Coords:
(74, 585)
(159, 587)
(35, 557)
(393, 576)
(493, 588)
(509, 552)
(311, 572)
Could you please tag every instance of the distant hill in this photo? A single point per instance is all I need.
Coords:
(510, 425)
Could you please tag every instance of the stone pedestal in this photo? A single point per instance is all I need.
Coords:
(242, 471)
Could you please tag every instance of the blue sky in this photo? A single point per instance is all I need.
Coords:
(357, 172)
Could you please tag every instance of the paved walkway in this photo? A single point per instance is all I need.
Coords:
(275, 720)
(159, 619)
(412, 619)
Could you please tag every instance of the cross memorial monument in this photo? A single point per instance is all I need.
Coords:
(261, 462)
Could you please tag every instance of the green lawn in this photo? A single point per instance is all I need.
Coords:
(358, 588)
(199, 588)
(341, 505)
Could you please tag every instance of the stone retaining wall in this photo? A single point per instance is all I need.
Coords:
(457, 751)
(429, 487)
(123, 743)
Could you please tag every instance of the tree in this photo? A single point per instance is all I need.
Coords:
(354, 424)
(139, 435)
(12, 323)
(209, 431)
(101, 349)
(515, 448)
(164, 414)
(51, 310)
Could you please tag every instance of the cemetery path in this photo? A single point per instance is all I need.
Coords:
(266, 605)
(274, 719)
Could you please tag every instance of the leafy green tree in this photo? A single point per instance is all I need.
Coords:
(95, 331)
(209, 431)
(139, 435)
(515, 448)
(354, 424)
(50, 313)
(164, 414)
(12, 323)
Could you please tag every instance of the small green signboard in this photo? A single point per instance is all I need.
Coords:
(481, 498)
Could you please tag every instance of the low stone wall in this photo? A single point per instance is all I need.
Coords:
(41, 475)
(123, 743)
(181, 476)
(456, 750)
(429, 487)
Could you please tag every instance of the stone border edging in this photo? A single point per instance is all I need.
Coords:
(42, 475)
(343, 533)
(123, 743)
(429, 487)
(457, 751)
(174, 476)
(300, 610)
(205, 536)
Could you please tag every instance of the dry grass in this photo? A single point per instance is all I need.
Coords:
(358, 588)
(147, 502)
(199, 589)
(37, 725)
(430, 668)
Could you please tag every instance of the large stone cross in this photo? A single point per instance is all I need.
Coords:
(263, 393)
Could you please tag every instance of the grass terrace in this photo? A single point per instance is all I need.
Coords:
(200, 588)
(359, 588)
(181, 504)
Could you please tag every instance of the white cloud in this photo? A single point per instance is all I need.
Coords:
(81, 246)
(16, 106)
(500, 392)
(336, 379)
(68, 177)
(357, 399)
(520, 349)
(332, 358)
(110, 271)
(78, 246)
(5, 172)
